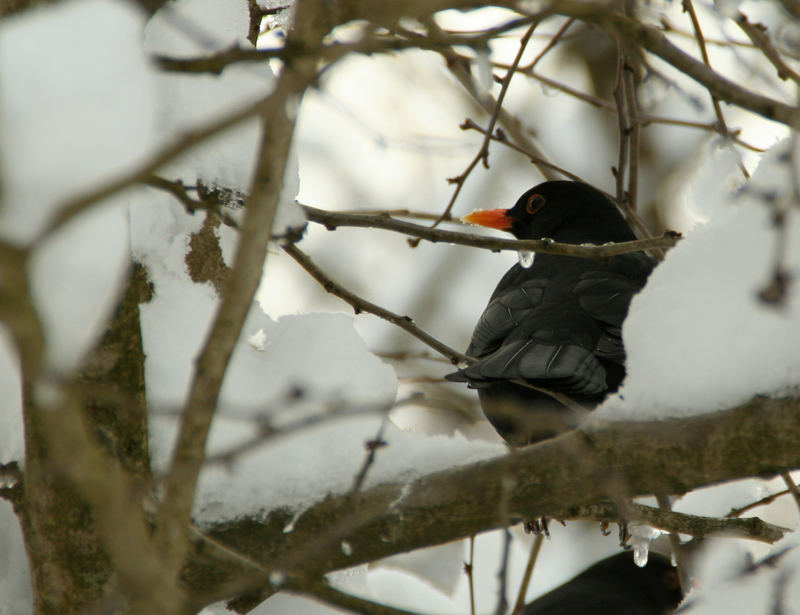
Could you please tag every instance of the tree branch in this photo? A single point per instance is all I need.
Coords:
(654, 41)
(752, 528)
(758, 34)
(760, 438)
(362, 305)
(241, 286)
(331, 220)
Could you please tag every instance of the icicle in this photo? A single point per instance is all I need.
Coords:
(526, 258)
(641, 536)
(289, 527)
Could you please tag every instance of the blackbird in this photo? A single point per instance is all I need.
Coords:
(554, 325)
(615, 586)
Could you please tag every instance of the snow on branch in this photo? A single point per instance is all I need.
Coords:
(570, 477)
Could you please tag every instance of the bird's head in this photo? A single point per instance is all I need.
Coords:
(565, 211)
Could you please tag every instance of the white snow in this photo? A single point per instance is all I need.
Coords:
(12, 445)
(15, 582)
(196, 28)
(295, 470)
(732, 584)
(698, 338)
(76, 106)
(86, 106)
(66, 131)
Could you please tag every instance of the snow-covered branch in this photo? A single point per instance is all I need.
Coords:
(553, 478)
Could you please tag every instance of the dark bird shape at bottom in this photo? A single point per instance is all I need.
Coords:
(555, 325)
(615, 586)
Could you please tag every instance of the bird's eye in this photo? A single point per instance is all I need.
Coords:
(535, 203)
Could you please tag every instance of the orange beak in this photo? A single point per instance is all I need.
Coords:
(493, 218)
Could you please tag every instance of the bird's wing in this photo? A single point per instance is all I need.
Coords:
(605, 296)
(535, 330)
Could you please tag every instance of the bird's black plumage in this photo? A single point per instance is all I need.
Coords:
(615, 586)
(557, 324)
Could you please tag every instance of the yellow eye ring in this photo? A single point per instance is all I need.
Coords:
(535, 203)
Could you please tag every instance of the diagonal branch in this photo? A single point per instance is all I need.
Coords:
(758, 34)
(175, 511)
(483, 152)
(654, 41)
(362, 305)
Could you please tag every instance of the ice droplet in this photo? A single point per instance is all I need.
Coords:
(641, 550)
(289, 527)
(641, 535)
(526, 258)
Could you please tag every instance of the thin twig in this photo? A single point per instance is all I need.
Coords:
(623, 127)
(372, 446)
(459, 68)
(407, 355)
(331, 412)
(792, 487)
(644, 118)
(758, 34)
(670, 521)
(501, 137)
(519, 605)
(331, 220)
(629, 87)
(469, 570)
(181, 144)
(324, 592)
(404, 213)
(688, 6)
(502, 575)
(483, 152)
(550, 45)
(765, 501)
(665, 504)
(653, 40)
(362, 305)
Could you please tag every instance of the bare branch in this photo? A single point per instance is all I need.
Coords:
(758, 34)
(645, 118)
(792, 486)
(72, 207)
(174, 513)
(331, 220)
(766, 500)
(681, 523)
(519, 605)
(469, 570)
(328, 594)
(502, 575)
(665, 504)
(483, 152)
(362, 305)
(654, 41)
